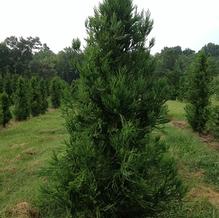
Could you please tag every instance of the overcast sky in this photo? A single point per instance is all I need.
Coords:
(189, 23)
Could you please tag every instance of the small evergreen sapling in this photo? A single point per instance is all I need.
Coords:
(1, 84)
(198, 109)
(8, 88)
(43, 94)
(56, 92)
(22, 104)
(36, 97)
(213, 123)
(5, 114)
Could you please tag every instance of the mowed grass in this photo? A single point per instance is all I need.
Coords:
(26, 147)
(176, 110)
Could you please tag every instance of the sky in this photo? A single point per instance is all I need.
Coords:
(188, 23)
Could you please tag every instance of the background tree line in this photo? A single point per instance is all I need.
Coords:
(174, 64)
(28, 57)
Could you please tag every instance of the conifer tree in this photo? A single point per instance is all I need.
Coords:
(198, 109)
(35, 98)
(8, 86)
(22, 105)
(213, 124)
(55, 92)
(43, 94)
(1, 113)
(1, 84)
(5, 114)
(114, 166)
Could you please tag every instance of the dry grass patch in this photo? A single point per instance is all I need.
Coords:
(23, 210)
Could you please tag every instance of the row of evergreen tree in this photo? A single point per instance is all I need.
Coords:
(28, 97)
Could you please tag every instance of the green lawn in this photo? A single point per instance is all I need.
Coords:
(26, 147)
(176, 110)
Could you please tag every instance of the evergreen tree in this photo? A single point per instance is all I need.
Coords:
(56, 92)
(1, 113)
(114, 166)
(22, 105)
(36, 97)
(5, 113)
(43, 94)
(1, 84)
(8, 86)
(213, 123)
(197, 111)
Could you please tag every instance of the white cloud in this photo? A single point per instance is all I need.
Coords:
(189, 23)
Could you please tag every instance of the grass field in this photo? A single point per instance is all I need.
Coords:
(26, 147)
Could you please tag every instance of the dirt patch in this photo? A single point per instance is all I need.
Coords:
(179, 124)
(190, 176)
(206, 138)
(23, 210)
(210, 140)
(214, 145)
(30, 151)
(206, 193)
(51, 109)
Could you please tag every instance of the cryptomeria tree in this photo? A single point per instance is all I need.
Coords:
(5, 113)
(197, 111)
(43, 94)
(1, 84)
(113, 165)
(8, 88)
(22, 106)
(35, 97)
(56, 92)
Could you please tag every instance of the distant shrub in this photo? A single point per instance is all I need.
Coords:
(56, 92)
(5, 114)
(22, 104)
(35, 97)
(198, 109)
(43, 94)
(213, 124)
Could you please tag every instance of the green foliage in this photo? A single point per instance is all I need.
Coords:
(113, 166)
(215, 87)
(76, 44)
(21, 52)
(43, 94)
(1, 84)
(8, 86)
(35, 97)
(43, 63)
(172, 63)
(22, 104)
(68, 61)
(211, 49)
(199, 94)
(56, 92)
(213, 123)
(5, 114)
